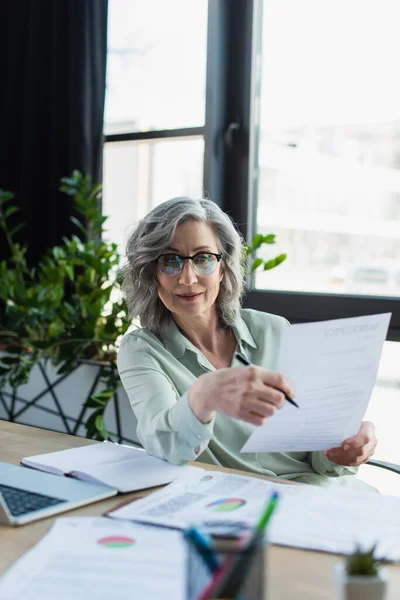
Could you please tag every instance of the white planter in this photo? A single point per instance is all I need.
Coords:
(52, 402)
(359, 587)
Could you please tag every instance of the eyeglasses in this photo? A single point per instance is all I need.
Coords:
(204, 263)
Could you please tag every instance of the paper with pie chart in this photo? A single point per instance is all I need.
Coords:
(223, 503)
(85, 557)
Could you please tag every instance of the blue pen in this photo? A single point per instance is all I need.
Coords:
(203, 543)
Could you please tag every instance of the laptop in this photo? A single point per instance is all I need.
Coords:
(27, 495)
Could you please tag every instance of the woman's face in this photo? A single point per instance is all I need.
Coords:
(188, 293)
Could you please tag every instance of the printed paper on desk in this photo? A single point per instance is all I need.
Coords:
(85, 557)
(331, 519)
(336, 520)
(332, 365)
(223, 503)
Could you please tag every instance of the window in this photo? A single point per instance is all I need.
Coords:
(286, 114)
(328, 160)
(155, 107)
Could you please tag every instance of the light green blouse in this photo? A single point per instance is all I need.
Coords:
(157, 372)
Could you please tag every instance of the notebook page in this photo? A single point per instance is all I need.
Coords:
(83, 458)
(132, 475)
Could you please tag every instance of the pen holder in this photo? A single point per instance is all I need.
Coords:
(246, 579)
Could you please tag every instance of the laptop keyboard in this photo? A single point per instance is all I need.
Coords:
(20, 502)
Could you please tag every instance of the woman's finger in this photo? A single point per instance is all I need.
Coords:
(365, 435)
(256, 390)
(276, 381)
(353, 457)
(258, 407)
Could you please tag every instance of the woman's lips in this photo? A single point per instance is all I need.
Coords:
(189, 297)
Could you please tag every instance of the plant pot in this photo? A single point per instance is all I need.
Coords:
(359, 587)
(55, 402)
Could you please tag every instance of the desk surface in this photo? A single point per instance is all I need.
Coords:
(293, 574)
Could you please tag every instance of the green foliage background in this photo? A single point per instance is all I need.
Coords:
(69, 307)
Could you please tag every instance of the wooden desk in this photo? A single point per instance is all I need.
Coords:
(293, 574)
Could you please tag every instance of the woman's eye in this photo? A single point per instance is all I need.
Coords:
(202, 258)
(170, 261)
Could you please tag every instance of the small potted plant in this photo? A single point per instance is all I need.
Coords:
(361, 576)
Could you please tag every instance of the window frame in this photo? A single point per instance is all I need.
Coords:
(231, 139)
(237, 27)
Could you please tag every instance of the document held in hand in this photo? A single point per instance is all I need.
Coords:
(332, 366)
(124, 468)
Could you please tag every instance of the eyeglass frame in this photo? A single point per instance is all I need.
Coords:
(183, 258)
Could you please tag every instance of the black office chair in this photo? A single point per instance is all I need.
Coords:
(384, 465)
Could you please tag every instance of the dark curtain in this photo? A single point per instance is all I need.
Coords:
(52, 87)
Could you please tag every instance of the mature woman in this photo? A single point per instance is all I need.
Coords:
(191, 397)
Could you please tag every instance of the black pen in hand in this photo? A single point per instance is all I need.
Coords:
(245, 361)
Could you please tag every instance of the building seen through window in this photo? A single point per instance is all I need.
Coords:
(329, 155)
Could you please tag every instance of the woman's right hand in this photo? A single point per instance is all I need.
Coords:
(251, 394)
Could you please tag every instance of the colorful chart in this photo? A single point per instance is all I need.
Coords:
(116, 541)
(206, 478)
(226, 504)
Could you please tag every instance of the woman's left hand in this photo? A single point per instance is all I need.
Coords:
(355, 450)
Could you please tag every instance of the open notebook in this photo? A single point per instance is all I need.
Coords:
(121, 467)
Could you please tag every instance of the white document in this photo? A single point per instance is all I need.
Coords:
(222, 503)
(336, 521)
(332, 366)
(122, 467)
(307, 516)
(84, 557)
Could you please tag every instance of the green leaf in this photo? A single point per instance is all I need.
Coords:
(104, 395)
(6, 196)
(78, 223)
(10, 360)
(58, 252)
(10, 211)
(269, 239)
(99, 423)
(67, 190)
(17, 228)
(68, 181)
(56, 328)
(274, 262)
(92, 403)
(279, 259)
(70, 271)
(256, 263)
(257, 241)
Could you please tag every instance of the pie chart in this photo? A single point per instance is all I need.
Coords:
(116, 541)
(226, 504)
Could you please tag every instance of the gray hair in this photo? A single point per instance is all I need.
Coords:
(153, 234)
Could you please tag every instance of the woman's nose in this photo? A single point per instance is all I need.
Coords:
(188, 275)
